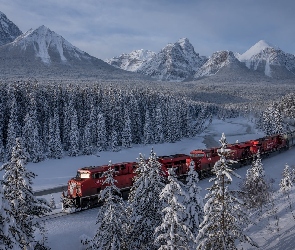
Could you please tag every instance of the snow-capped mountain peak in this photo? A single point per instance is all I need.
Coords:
(131, 61)
(175, 62)
(46, 43)
(256, 49)
(269, 59)
(8, 30)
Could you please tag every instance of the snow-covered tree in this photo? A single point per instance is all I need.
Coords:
(31, 138)
(174, 233)
(87, 145)
(272, 120)
(8, 226)
(126, 133)
(159, 135)
(54, 143)
(111, 218)
(114, 141)
(224, 218)
(147, 131)
(286, 184)
(144, 207)
(256, 189)
(25, 207)
(194, 201)
(52, 204)
(101, 132)
(74, 135)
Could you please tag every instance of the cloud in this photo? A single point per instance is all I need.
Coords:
(106, 28)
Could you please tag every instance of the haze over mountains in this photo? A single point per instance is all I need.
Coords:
(43, 53)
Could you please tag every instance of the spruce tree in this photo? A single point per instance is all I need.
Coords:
(74, 135)
(111, 219)
(256, 189)
(101, 132)
(8, 226)
(174, 233)
(194, 201)
(224, 215)
(285, 186)
(126, 133)
(25, 207)
(144, 207)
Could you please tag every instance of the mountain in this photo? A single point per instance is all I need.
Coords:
(175, 62)
(270, 60)
(131, 61)
(224, 60)
(43, 53)
(8, 30)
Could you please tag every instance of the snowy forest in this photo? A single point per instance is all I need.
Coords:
(47, 120)
(80, 119)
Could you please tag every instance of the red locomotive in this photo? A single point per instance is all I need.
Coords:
(83, 189)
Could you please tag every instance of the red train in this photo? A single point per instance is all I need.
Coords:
(83, 189)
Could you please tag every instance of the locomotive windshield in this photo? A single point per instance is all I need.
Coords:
(82, 175)
(198, 155)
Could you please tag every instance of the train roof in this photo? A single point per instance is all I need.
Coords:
(93, 169)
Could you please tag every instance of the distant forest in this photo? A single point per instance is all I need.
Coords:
(57, 119)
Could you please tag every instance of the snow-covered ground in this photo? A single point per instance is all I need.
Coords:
(64, 232)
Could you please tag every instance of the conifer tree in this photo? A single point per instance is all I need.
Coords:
(194, 201)
(54, 144)
(148, 133)
(126, 133)
(286, 184)
(111, 218)
(101, 132)
(114, 141)
(25, 207)
(87, 145)
(12, 130)
(256, 189)
(173, 233)
(31, 138)
(224, 217)
(159, 135)
(74, 135)
(144, 207)
(52, 204)
(8, 226)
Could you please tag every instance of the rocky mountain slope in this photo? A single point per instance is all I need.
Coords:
(269, 60)
(8, 30)
(43, 53)
(131, 61)
(175, 62)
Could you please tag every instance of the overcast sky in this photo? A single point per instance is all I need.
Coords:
(107, 28)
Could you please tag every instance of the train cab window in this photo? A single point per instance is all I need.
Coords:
(123, 167)
(198, 155)
(97, 175)
(134, 166)
(208, 155)
(116, 168)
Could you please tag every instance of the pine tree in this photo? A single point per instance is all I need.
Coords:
(224, 217)
(173, 233)
(159, 135)
(286, 184)
(144, 207)
(87, 145)
(111, 218)
(12, 130)
(148, 133)
(8, 226)
(256, 189)
(114, 141)
(101, 132)
(54, 144)
(74, 135)
(31, 137)
(52, 203)
(126, 133)
(194, 202)
(17, 186)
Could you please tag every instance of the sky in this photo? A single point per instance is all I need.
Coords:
(108, 28)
